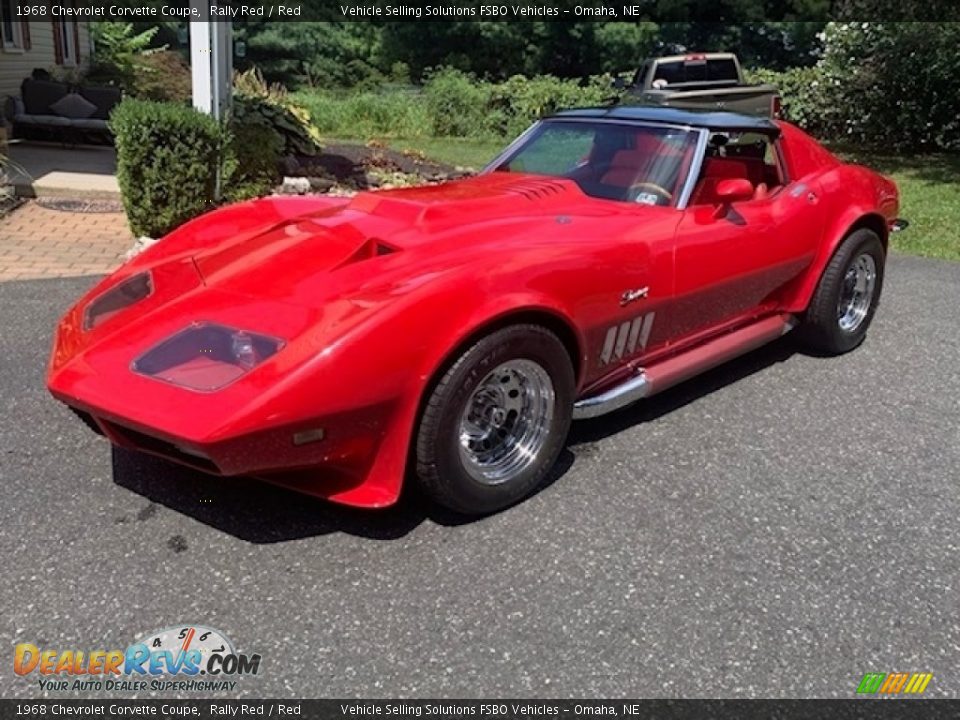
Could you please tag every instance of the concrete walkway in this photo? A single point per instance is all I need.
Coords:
(54, 170)
(37, 242)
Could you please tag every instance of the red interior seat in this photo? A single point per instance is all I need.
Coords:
(716, 169)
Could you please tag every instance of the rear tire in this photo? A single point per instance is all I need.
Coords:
(496, 422)
(847, 295)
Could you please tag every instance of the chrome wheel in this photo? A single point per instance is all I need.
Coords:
(856, 292)
(506, 421)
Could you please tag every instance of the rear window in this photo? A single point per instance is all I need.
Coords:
(689, 71)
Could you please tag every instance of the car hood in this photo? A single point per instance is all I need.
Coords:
(378, 236)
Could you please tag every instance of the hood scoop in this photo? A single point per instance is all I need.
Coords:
(297, 246)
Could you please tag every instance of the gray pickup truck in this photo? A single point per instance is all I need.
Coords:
(702, 81)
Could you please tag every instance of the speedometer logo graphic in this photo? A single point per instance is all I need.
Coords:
(184, 638)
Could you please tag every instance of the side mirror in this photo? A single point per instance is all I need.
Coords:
(730, 191)
(733, 190)
(618, 83)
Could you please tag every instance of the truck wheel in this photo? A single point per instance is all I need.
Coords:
(847, 295)
(496, 421)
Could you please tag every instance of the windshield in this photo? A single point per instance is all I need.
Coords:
(629, 163)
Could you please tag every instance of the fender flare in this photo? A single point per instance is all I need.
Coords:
(854, 218)
(391, 465)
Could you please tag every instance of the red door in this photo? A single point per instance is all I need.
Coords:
(732, 267)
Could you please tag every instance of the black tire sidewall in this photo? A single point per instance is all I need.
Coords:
(825, 326)
(460, 491)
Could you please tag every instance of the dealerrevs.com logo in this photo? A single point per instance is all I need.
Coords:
(182, 658)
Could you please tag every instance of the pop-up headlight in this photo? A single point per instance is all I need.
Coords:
(130, 291)
(206, 356)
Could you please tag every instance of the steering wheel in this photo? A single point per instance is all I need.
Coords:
(634, 190)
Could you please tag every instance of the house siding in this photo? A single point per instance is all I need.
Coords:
(15, 65)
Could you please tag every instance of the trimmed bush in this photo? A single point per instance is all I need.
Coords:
(167, 160)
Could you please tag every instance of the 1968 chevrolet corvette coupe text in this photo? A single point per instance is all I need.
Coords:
(451, 332)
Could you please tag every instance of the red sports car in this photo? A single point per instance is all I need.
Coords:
(451, 333)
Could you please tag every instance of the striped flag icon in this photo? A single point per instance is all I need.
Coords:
(894, 683)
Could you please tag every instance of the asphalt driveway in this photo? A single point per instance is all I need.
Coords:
(778, 527)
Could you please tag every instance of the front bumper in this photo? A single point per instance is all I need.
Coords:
(338, 460)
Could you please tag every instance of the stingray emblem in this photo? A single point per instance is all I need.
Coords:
(627, 338)
(630, 296)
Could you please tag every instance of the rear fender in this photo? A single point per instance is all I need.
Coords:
(852, 197)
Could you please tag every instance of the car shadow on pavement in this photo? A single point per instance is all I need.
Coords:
(258, 512)
(586, 432)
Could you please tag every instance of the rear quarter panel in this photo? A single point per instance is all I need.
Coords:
(848, 196)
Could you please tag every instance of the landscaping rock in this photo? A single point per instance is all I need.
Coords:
(321, 184)
(141, 244)
(295, 186)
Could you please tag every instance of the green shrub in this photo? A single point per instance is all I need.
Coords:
(120, 53)
(457, 103)
(255, 102)
(450, 104)
(802, 96)
(164, 76)
(167, 161)
(396, 112)
(895, 84)
(251, 166)
(519, 101)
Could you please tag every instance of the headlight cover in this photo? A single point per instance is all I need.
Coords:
(206, 356)
(119, 297)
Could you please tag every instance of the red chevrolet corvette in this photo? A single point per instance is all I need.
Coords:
(452, 332)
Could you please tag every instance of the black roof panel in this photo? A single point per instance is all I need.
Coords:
(712, 120)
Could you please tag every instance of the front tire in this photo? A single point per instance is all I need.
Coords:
(496, 422)
(847, 295)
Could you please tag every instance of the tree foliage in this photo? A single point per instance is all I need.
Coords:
(351, 54)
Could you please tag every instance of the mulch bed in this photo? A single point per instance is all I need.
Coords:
(360, 167)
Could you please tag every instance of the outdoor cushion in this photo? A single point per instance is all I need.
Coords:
(105, 98)
(73, 106)
(89, 124)
(39, 95)
(52, 120)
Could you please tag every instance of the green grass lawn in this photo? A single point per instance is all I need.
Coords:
(929, 187)
(929, 199)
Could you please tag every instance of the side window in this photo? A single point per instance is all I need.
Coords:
(759, 153)
(749, 155)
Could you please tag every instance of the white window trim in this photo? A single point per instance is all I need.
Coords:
(17, 43)
(68, 38)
